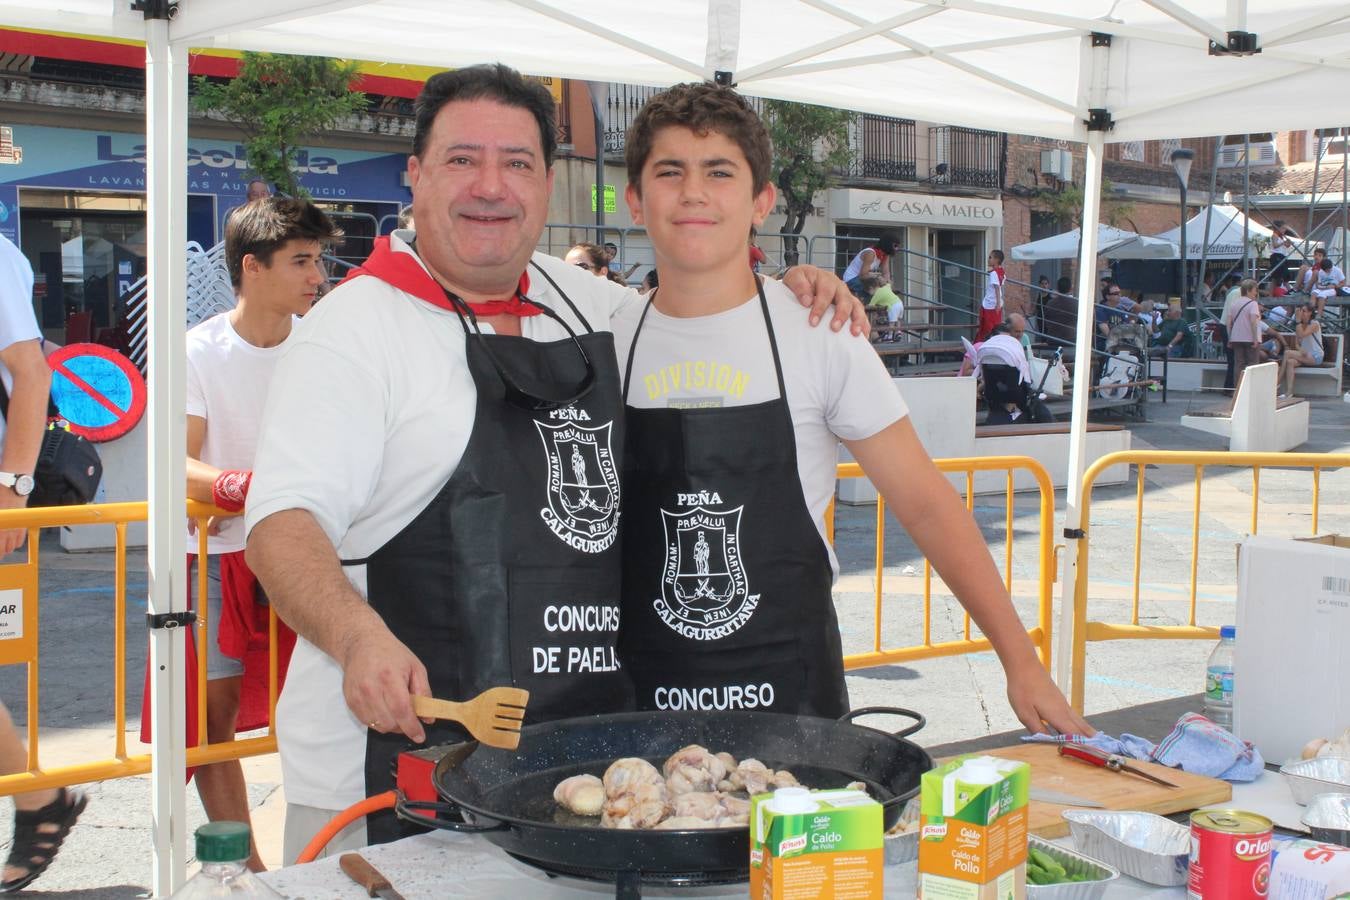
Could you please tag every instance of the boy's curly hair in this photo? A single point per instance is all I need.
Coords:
(702, 108)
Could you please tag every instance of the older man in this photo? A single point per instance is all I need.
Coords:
(446, 427)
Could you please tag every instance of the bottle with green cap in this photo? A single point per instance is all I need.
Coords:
(222, 849)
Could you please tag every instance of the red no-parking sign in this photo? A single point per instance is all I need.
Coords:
(98, 390)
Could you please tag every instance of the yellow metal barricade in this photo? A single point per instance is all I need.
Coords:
(1040, 634)
(23, 577)
(1085, 630)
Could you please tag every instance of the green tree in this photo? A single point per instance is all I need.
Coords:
(809, 143)
(278, 101)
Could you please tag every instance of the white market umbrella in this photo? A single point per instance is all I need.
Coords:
(1227, 234)
(1116, 243)
(1074, 70)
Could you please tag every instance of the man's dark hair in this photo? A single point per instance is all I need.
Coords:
(496, 82)
(261, 227)
(889, 242)
(702, 108)
(997, 255)
(1064, 285)
(1325, 264)
(405, 216)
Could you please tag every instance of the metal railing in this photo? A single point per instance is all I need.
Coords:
(1085, 630)
(24, 577)
(1040, 634)
(973, 158)
(883, 149)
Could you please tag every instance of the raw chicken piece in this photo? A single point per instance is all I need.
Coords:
(783, 778)
(581, 794)
(699, 805)
(735, 811)
(693, 769)
(727, 760)
(635, 795)
(751, 776)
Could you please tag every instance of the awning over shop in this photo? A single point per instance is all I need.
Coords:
(1116, 243)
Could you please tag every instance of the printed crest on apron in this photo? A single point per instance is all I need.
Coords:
(583, 482)
(705, 594)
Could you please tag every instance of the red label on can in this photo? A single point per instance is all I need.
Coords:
(1230, 856)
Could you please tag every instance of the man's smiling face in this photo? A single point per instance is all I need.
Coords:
(480, 194)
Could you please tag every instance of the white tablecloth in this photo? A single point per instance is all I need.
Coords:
(443, 864)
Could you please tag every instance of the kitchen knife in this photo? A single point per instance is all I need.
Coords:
(369, 877)
(1060, 799)
(1108, 761)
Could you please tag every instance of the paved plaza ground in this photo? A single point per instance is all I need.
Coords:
(108, 855)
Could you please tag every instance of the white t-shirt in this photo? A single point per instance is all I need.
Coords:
(17, 321)
(369, 413)
(227, 382)
(1328, 282)
(992, 290)
(837, 386)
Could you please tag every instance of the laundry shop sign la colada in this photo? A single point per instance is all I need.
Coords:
(918, 209)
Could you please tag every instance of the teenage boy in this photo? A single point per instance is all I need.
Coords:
(272, 251)
(991, 305)
(734, 413)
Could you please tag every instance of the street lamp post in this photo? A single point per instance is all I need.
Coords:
(1181, 164)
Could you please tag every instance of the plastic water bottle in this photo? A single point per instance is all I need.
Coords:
(1219, 680)
(223, 851)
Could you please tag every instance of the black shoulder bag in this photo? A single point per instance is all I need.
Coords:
(68, 467)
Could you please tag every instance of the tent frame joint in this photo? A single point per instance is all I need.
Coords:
(1101, 39)
(156, 9)
(170, 620)
(1240, 43)
(724, 78)
(1100, 120)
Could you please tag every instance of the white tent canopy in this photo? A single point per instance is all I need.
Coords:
(1116, 243)
(1081, 70)
(1023, 66)
(1229, 231)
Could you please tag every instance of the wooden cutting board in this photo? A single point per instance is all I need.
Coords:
(1114, 790)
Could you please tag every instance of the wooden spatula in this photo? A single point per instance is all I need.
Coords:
(493, 716)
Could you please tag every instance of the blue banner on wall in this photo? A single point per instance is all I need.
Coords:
(79, 160)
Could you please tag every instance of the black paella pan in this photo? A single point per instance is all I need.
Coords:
(507, 796)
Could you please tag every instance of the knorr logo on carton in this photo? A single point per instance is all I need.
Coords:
(973, 829)
(823, 843)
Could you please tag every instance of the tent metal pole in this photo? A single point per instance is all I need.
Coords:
(1312, 204)
(1204, 242)
(1246, 204)
(1082, 387)
(166, 113)
(1345, 206)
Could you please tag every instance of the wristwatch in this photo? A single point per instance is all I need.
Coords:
(22, 484)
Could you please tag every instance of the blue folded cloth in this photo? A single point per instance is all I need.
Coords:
(1195, 744)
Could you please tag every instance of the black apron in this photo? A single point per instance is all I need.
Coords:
(510, 576)
(726, 582)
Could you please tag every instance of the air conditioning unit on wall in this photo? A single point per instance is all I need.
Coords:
(1058, 163)
(1262, 154)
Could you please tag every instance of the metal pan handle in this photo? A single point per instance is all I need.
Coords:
(919, 720)
(411, 811)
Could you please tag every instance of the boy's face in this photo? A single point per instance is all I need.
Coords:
(697, 201)
(290, 282)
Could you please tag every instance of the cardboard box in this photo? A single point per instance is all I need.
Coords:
(830, 846)
(973, 830)
(1293, 628)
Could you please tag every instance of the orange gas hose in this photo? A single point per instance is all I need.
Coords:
(343, 819)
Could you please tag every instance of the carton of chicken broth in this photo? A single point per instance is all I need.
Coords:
(973, 830)
(809, 844)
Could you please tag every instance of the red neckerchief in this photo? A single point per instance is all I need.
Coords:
(403, 271)
(880, 254)
(1001, 276)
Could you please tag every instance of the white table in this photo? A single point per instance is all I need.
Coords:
(443, 864)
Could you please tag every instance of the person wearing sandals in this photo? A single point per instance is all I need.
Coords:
(42, 819)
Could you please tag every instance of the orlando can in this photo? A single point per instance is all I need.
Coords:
(1230, 855)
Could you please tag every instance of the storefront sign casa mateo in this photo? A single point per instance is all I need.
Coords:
(919, 209)
(217, 169)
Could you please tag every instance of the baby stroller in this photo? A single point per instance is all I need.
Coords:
(1125, 367)
(1003, 384)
